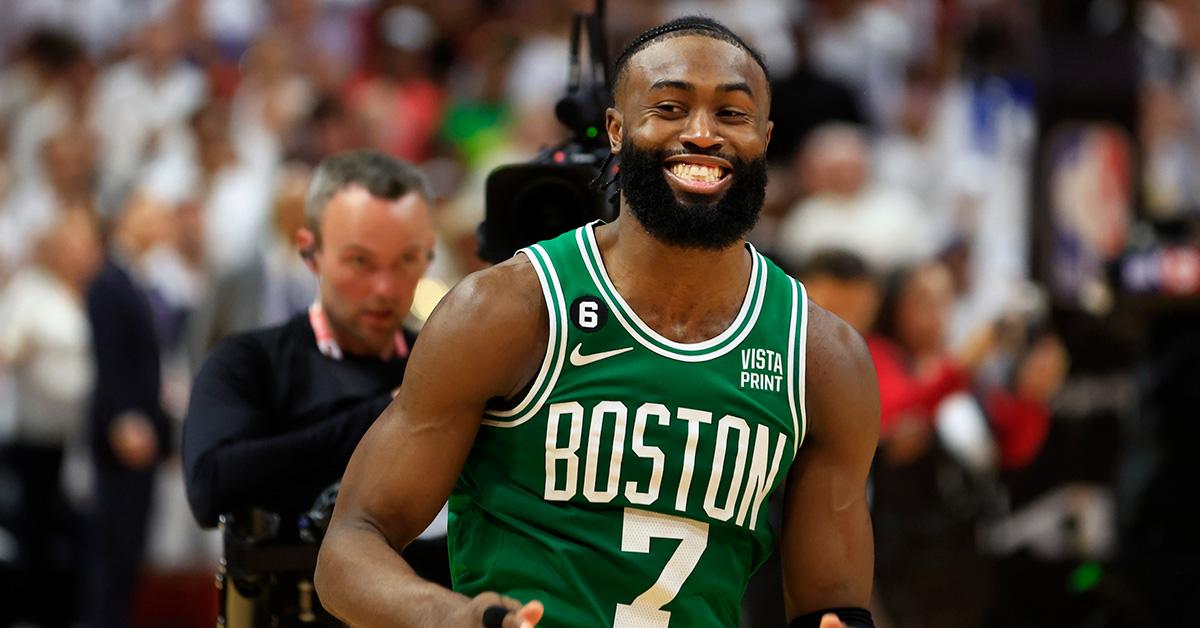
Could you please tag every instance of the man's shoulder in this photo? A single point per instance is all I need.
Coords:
(508, 288)
(501, 306)
(113, 287)
(838, 349)
(265, 344)
(841, 387)
(111, 275)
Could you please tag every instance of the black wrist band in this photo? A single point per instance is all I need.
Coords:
(853, 617)
(493, 616)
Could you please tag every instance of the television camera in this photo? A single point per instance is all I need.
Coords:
(561, 188)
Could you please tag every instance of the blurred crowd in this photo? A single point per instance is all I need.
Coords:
(172, 141)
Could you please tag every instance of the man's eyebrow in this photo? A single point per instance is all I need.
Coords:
(736, 87)
(740, 86)
(673, 84)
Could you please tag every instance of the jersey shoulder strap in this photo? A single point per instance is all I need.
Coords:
(527, 407)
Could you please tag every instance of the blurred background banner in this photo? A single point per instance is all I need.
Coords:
(1091, 201)
(1002, 196)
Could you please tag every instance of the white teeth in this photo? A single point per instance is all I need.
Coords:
(696, 172)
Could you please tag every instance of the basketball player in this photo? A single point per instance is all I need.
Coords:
(611, 411)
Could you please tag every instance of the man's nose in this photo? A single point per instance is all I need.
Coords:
(386, 283)
(700, 134)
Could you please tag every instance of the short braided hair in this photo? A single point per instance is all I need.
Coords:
(679, 27)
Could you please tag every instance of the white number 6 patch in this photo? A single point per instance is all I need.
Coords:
(589, 313)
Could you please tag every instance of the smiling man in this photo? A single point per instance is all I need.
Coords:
(611, 411)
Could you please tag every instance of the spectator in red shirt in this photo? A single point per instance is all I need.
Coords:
(917, 372)
(927, 502)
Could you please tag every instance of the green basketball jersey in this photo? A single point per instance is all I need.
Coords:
(629, 487)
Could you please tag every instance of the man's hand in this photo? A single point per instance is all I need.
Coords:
(978, 347)
(1041, 373)
(829, 620)
(133, 440)
(518, 616)
(19, 352)
(907, 441)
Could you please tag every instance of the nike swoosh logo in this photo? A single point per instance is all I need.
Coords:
(579, 359)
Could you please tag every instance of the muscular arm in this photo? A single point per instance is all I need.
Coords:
(828, 550)
(485, 340)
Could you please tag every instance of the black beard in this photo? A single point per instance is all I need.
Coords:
(692, 225)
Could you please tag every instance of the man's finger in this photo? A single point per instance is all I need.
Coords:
(512, 620)
(829, 620)
(507, 612)
(531, 614)
(526, 617)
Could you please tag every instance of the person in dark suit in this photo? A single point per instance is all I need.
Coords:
(127, 427)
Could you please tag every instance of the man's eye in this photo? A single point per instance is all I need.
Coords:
(668, 108)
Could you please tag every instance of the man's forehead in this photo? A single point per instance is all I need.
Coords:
(695, 59)
(354, 206)
(357, 194)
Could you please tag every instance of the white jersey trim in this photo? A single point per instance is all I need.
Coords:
(792, 389)
(555, 306)
(801, 363)
(620, 308)
(747, 301)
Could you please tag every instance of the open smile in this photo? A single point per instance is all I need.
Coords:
(698, 175)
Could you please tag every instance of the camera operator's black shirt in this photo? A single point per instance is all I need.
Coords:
(272, 421)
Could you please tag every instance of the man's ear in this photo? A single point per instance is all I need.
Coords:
(614, 124)
(770, 127)
(306, 241)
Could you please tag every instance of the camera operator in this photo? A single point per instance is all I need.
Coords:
(275, 413)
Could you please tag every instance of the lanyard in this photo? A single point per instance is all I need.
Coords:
(328, 345)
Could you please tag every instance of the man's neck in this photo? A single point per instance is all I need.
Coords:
(123, 250)
(351, 344)
(73, 196)
(683, 293)
(155, 71)
(75, 287)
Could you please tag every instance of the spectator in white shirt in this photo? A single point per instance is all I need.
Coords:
(846, 209)
(45, 345)
(56, 89)
(68, 161)
(44, 335)
(139, 99)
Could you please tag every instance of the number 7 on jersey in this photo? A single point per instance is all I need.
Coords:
(637, 528)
